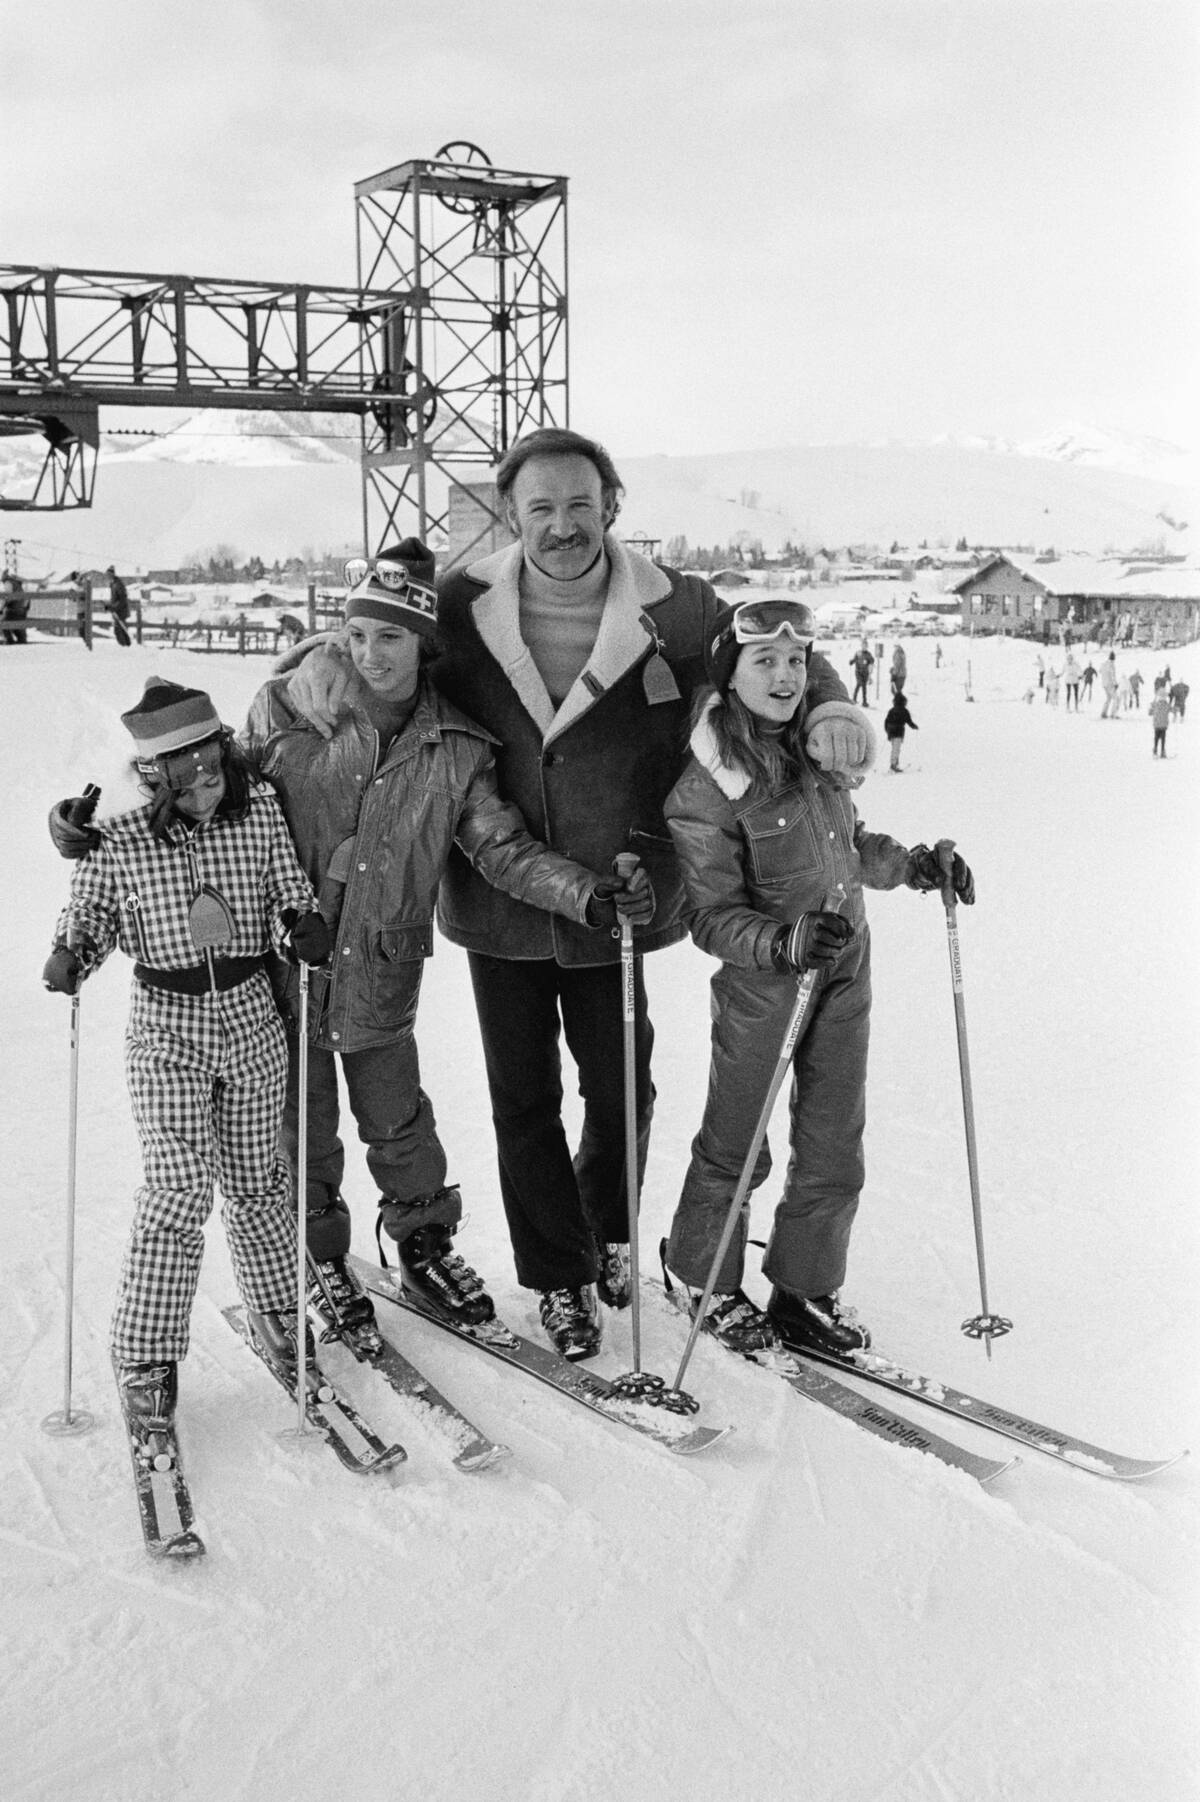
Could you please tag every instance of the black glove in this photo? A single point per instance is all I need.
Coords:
(69, 828)
(813, 942)
(65, 970)
(309, 940)
(925, 872)
(610, 898)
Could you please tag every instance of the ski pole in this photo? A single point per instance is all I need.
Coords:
(804, 994)
(637, 1382)
(66, 1420)
(986, 1325)
(302, 1430)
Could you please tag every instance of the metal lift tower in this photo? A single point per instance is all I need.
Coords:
(452, 344)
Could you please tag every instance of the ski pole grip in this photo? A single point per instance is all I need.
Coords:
(945, 856)
(625, 864)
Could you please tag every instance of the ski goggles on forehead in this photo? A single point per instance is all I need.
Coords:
(397, 578)
(183, 769)
(758, 622)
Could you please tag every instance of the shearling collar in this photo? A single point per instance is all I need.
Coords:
(634, 583)
(733, 783)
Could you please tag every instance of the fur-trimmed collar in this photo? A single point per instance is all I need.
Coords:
(634, 583)
(733, 781)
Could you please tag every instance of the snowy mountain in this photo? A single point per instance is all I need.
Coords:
(247, 440)
(273, 484)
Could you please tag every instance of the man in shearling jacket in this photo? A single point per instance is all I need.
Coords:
(580, 657)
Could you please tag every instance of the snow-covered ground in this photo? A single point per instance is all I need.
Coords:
(802, 1612)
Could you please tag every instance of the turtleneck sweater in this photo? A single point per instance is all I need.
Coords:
(559, 622)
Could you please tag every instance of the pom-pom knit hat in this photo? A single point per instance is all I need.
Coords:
(168, 717)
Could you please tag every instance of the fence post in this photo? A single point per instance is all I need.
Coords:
(312, 608)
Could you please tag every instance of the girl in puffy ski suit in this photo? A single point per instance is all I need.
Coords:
(774, 861)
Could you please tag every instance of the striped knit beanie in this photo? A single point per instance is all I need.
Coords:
(374, 597)
(169, 717)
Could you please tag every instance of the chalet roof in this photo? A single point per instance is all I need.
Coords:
(1107, 578)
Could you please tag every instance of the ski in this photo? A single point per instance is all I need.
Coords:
(541, 1362)
(816, 1386)
(163, 1497)
(347, 1434)
(1064, 1447)
(473, 1450)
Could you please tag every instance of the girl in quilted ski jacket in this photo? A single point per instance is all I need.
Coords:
(196, 885)
(774, 861)
(375, 804)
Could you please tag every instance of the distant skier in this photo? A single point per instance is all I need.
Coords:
(899, 670)
(862, 664)
(1108, 682)
(1135, 685)
(894, 723)
(1179, 693)
(1089, 676)
(118, 606)
(1071, 679)
(1160, 715)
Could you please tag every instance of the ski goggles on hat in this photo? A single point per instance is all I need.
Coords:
(396, 578)
(758, 622)
(184, 769)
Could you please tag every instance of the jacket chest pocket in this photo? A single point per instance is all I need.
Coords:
(783, 839)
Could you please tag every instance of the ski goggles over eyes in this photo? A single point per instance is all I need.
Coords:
(397, 578)
(758, 622)
(184, 769)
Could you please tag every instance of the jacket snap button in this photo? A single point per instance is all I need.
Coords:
(362, 866)
(783, 822)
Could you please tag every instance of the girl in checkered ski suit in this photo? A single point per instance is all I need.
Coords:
(195, 885)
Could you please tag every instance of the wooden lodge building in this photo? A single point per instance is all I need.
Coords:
(1110, 599)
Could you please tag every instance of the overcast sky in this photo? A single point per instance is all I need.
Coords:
(791, 221)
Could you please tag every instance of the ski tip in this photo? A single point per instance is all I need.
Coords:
(182, 1548)
(698, 1440)
(474, 1458)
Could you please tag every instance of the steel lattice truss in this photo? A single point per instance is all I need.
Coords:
(453, 343)
(480, 347)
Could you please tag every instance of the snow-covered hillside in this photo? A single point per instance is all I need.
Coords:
(803, 1612)
(272, 484)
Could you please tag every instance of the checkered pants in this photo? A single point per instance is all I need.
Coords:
(206, 1079)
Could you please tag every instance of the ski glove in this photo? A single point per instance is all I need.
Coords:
(309, 940)
(610, 898)
(813, 942)
(67, 965)
(840, 739)
(70, 830)
(925, 872)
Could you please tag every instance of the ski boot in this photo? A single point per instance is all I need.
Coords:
(816, 1323)
(344, 1305)
(148, 1396)
(433, 1271)
(569, 1317)
(274, 1332)
(614, 1284)
(735, 1321)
